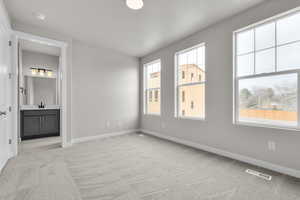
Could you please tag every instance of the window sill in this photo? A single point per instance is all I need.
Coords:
(191, 118)
(257, 125)
(152, 114)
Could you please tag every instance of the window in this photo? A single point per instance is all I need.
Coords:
(192, 105)
(150, 96)
(156, 95)
(152, 76)
(183, 75)
(191, 62)
(267, 68)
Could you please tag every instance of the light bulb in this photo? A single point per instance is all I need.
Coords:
(42, 72)
(49, 73)
(135, 4)
(33, 71)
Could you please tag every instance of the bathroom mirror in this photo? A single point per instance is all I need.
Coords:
(39, 78)
(39, 89)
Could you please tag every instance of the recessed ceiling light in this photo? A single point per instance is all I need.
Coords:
(135, 4)
(40, 16)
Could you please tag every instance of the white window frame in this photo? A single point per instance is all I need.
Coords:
(176, 76)
(236, 78)
(145, 88)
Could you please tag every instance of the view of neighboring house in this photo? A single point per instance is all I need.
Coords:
(154, 92)
(191, 96)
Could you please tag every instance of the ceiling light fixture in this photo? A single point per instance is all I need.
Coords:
(135, 4)
(40, 16)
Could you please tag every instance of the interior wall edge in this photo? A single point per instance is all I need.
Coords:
(5, 19)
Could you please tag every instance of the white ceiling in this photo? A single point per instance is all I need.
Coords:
(39, 48)
(111, 24)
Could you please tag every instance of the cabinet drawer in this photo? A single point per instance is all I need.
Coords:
(40, 112)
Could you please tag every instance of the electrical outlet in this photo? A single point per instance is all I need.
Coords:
(274, 146)
(119, 123)
(107, 124)
(271, 146)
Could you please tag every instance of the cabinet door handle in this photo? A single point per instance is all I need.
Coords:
(40, 122)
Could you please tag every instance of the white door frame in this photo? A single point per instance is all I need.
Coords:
(5, 32)
(63, 74)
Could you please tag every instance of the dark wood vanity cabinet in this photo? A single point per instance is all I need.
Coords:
(39, 123)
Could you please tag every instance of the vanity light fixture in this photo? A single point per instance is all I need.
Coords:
(41, 72)
(135, 4)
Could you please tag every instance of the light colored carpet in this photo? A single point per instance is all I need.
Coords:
(132, 167)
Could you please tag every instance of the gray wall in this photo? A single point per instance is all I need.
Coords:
(90, 63)
(104, 91)
(218, 130)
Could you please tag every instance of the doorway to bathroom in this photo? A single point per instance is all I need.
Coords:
(41, 93)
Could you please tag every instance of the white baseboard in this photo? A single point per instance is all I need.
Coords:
(102, 136)
(246, 159)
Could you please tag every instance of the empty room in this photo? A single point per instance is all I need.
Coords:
(150, 100)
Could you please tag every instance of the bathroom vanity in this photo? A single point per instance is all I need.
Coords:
(39, 123)
(39, 94)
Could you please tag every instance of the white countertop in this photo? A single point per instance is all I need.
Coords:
(34, 107)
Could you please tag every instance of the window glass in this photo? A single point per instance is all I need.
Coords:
(269, 100)
(182, 59)
(245, 65)
(265, 36)
(156, 95)
(289, 56)
(150, 96)
(191, 85)
(288, 29)
(193, 95)
(265, 61)
(245, 42)
(201, 57)
(152, 87)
